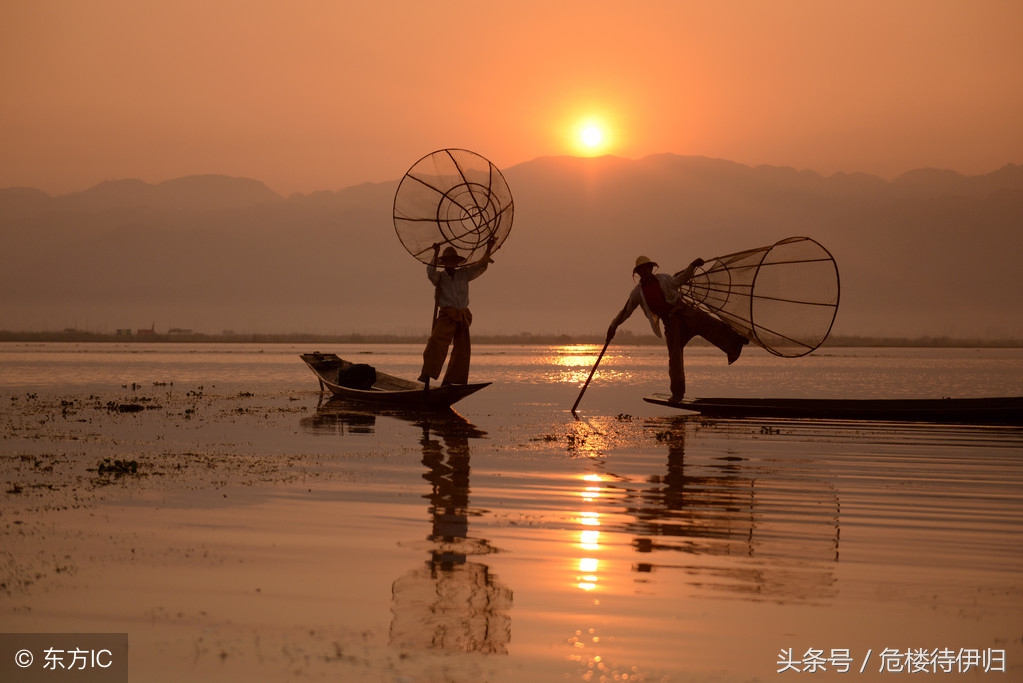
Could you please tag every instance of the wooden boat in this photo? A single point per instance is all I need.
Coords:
(986, 411)
(386, 390)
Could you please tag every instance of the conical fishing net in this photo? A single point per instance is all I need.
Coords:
(783, 297)
(456, 198)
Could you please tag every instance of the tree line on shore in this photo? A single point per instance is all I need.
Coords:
(625, 338)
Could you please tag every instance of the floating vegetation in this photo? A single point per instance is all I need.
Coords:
(137, 405)
(114, 406)
(670, 435)
(118, 467)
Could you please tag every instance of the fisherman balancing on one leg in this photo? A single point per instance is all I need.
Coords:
(658, 295)
(453, 318)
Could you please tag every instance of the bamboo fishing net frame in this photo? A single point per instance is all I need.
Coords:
(453, 198)
(783, 297)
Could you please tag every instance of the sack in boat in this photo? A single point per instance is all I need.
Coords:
(357, 376)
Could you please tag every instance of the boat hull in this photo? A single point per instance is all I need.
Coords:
(994, 410)
(388, 390)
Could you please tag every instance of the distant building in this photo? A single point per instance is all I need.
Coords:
(123, 332)
(179, 330)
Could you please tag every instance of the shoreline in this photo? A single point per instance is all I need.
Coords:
(624, 338)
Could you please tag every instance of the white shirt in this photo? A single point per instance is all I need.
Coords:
(453, 290)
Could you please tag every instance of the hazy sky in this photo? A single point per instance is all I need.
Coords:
(315, 94)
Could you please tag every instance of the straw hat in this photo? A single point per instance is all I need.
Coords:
(450, 257)
(642, 261)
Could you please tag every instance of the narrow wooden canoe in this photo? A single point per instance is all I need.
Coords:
(993, 411)
(388, 390)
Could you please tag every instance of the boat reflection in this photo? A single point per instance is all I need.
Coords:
(730, 530)
(339, 417)
(451, 602)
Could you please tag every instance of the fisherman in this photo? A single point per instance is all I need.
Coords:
(659, 296)
(453, 316)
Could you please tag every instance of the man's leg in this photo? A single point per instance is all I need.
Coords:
(715, 331)
(437, 347)
(461, 352)
(676, 336)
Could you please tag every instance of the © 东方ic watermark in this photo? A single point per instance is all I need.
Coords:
(78, 657)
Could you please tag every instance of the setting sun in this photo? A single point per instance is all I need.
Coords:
(591, 136)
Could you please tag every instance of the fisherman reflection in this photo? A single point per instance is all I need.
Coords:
(710, 514)
(755, 532)
(450, 603)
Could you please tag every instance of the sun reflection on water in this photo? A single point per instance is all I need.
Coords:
(595, 667)
(589, 539)
(573, 363)
(591, 493)
(587, 578)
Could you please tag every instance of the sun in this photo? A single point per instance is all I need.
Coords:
(591, 138)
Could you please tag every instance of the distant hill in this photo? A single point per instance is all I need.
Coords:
(929, 253)
(192, 193)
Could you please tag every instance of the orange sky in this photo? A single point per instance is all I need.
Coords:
(322, 94)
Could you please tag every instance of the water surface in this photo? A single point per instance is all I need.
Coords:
(510, 542)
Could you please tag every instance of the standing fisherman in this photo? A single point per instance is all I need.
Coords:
(453, 317)
(658, 294)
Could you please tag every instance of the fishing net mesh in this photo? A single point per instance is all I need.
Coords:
(452, 198)
(783, 297)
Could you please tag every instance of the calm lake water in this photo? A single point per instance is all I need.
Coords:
(511, 542)
(624, 371)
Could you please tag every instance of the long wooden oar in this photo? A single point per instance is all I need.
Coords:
(576, 404)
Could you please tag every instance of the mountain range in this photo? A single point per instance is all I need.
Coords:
(929, 253)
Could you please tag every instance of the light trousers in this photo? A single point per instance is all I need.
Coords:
(451, 328)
